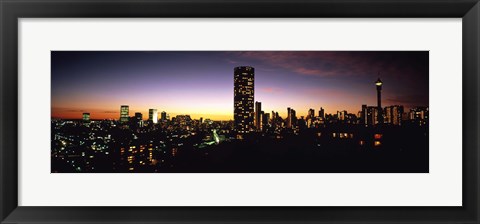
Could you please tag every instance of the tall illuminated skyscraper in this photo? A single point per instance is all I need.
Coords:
(153, 115)
(124, 113)
(243, 100)
(258, 116)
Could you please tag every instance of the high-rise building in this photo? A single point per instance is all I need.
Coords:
(291, 118)
(321, 113)
(274, 119)
(265, 119)
(393, 115)
(419, 115)
(138, 116)
(153, 115)
(258, 118)
(371, 115)
(341, 115)
(243, 101)
(260, 121)
(294, 117)
(163, 116)
(364, 115)
(124, 111)
(86, 117)
(379, 84)
(139, 119)
(311, 114)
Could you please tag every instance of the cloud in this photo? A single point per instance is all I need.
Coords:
(408, 100)
(231, 61)
(300, 62)
(271, 90)
(339, 63)
(75, 110)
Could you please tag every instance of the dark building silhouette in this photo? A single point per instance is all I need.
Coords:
(341, 115)
(274, 119)
(265, 119)
(321, 113)
(258, 116)
(243, 112)
(163, 116)
(379, 84)
(138, 119)
(311, 114)
(138, 116)
(291, 118)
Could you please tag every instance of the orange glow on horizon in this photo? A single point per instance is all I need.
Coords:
(116, 116)
(216, 112)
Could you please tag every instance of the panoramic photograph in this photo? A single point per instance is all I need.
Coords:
(239, 112)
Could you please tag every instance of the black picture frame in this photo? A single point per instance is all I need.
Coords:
(11, 10)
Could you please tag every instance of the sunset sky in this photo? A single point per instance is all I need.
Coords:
(200, 83)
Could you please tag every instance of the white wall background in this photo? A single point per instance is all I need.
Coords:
(441, 187)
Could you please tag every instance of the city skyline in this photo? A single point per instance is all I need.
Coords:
(334, 81)
(381, 135)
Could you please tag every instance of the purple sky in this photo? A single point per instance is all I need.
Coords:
(200, 83)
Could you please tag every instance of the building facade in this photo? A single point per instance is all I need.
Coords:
(243, 102)
(393, 115)
(124, 111)
(86, 117)
(153, 115)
